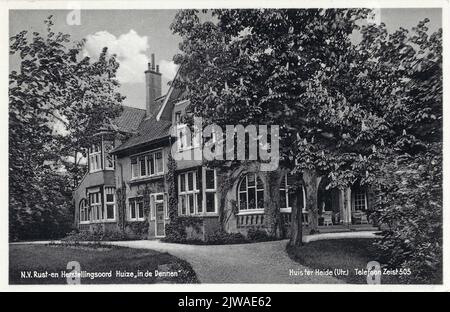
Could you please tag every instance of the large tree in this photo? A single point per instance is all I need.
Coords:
(293, 68)
(345, 108)
(56, 97)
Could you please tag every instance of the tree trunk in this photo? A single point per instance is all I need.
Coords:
(310, 179)
(273, 221)
(296, 220)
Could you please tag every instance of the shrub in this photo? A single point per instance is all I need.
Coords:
(258, 235)
(221, 237)
(95, 236)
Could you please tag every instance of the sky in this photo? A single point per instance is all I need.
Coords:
(134, 34)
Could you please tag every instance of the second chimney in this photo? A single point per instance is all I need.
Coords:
(152, 87)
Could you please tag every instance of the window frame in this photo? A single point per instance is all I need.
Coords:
(248, 210)
(107, 154)
(96, 215)
(83, 208)
(135, 200)
(113, 203)
(184, 176)
(136, 167)
(206, 190)
(95, 152)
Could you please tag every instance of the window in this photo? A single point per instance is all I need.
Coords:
(147, 165)
(110, 203)
(184, 137)
(251, 193)
(95, 158)
(210, 190)
(189, 200)
(360, 200)
(286, 199)
(109, 159)
(96, 206)
(84, 211)
(177, 118)
(136, 209)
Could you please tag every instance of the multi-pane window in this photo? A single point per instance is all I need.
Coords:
(109, 159)
(197, 196)
(110, 203)
(136, 209)
(95, 158)
(147, 165)
(96, 206)
(210, 190)
(189, 200)
(251, 193)
(84, 211)
(360, 200)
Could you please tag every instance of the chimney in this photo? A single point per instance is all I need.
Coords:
(152, 87)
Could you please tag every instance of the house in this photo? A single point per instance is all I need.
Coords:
(126, 188)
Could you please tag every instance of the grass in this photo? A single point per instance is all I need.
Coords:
(346, 254)
(39, 259)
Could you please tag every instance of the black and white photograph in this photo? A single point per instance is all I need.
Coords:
(224, 145)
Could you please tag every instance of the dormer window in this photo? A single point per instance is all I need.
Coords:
(95, 158)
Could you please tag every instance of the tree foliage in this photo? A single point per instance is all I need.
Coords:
(56, 99)
(354, 111)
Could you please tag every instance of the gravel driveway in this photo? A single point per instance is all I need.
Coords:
(265, 262)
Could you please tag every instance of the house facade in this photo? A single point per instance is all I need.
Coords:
(126, 187)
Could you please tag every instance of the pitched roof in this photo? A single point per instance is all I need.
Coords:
(130, 119)
(149, 130)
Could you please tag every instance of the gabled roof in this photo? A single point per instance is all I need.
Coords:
(130, 119)
(149, 130)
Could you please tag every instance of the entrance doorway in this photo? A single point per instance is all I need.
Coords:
(160, 215)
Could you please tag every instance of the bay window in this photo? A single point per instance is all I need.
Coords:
(95, 158)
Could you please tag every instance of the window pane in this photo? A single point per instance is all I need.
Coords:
(141, 210)
(209, 176)
(283, 203)
(182, 200)
(210, 202)
(191, 203)
(251, 179)
(242, 201)
(110, 211)
(110, 198)
(251, 198)
(260, 184)
(159, 162)
(199, 203)
(243, 186)
(134, 170)
(190, 176)
(182, 183)
(143, 166)
(151, 164)
(133, 210)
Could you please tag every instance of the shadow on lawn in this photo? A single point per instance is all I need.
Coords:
(346, 254)
(34, 264)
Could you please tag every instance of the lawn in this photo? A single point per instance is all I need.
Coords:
(46, 264)
(346, 254)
